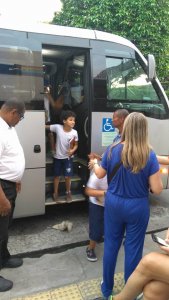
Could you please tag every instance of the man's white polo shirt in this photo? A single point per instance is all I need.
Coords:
(12, 160)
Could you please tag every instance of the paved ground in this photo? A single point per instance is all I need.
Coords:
(47, 263)
(51, 275)
(35, 235)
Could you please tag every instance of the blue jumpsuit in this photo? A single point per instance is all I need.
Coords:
(126, 211)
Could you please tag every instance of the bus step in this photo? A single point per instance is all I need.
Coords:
(76, 159)
(49, 179)
(62, 199)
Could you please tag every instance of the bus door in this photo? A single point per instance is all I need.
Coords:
(66, 76)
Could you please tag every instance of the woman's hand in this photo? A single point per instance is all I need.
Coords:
(91, 163)
(164, 160)
(94, 155)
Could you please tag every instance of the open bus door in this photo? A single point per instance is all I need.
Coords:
(66, 68)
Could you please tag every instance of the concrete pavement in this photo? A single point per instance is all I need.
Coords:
(38, 277)
(43, 276)
(35, 236)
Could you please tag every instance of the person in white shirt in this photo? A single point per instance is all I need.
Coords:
(12, 165)
(66, 145)
(95, 189)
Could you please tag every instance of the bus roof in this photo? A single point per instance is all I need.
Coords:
(66, 31)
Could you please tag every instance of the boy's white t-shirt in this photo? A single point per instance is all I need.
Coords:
(97, 184)
(63, 140)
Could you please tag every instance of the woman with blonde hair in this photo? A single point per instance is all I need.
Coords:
(132, 170)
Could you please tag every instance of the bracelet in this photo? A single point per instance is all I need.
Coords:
(95, 163)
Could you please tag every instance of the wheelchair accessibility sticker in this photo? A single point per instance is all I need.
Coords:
(107, 125)
(108, 132)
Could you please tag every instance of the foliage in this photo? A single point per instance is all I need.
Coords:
(145, 22)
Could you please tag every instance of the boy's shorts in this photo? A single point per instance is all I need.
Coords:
(96, 222)
(63, 167)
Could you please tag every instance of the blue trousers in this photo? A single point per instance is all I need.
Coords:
(123, 216)
(96, 222)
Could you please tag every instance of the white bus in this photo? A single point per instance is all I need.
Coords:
(104, 72)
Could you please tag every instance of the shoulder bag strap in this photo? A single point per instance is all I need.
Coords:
(114, 171)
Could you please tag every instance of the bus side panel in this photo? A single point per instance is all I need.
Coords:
(158, 130)
(31, 133)
(31, 200)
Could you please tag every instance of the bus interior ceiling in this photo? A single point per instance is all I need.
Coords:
(67, 64)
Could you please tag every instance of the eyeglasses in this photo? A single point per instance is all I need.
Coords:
(21, 115)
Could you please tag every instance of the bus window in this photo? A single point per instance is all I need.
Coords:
(127, 80)
(17, 73)
(128, 87)
(76, 79)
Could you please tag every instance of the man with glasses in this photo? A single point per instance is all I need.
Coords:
(12, 165)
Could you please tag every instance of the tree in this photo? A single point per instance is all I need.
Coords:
(145, 22)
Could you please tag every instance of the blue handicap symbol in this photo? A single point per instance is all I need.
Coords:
(107, 125)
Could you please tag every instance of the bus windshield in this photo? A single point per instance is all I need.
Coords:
(127, 80)
(128, 86)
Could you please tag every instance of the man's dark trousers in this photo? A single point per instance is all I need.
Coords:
(9, 189)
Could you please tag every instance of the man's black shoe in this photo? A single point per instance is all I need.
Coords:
(5, 284)
(13, 262)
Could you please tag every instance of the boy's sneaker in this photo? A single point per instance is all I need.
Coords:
(68, 197)
(91, 256)
(55, 197)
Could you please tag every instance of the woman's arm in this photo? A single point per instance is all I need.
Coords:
(164, 160)
(98, 170)
(155, 183)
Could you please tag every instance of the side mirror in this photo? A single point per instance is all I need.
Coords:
(151, 68)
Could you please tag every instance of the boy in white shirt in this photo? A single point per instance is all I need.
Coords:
(66, 145)
(95, 189)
